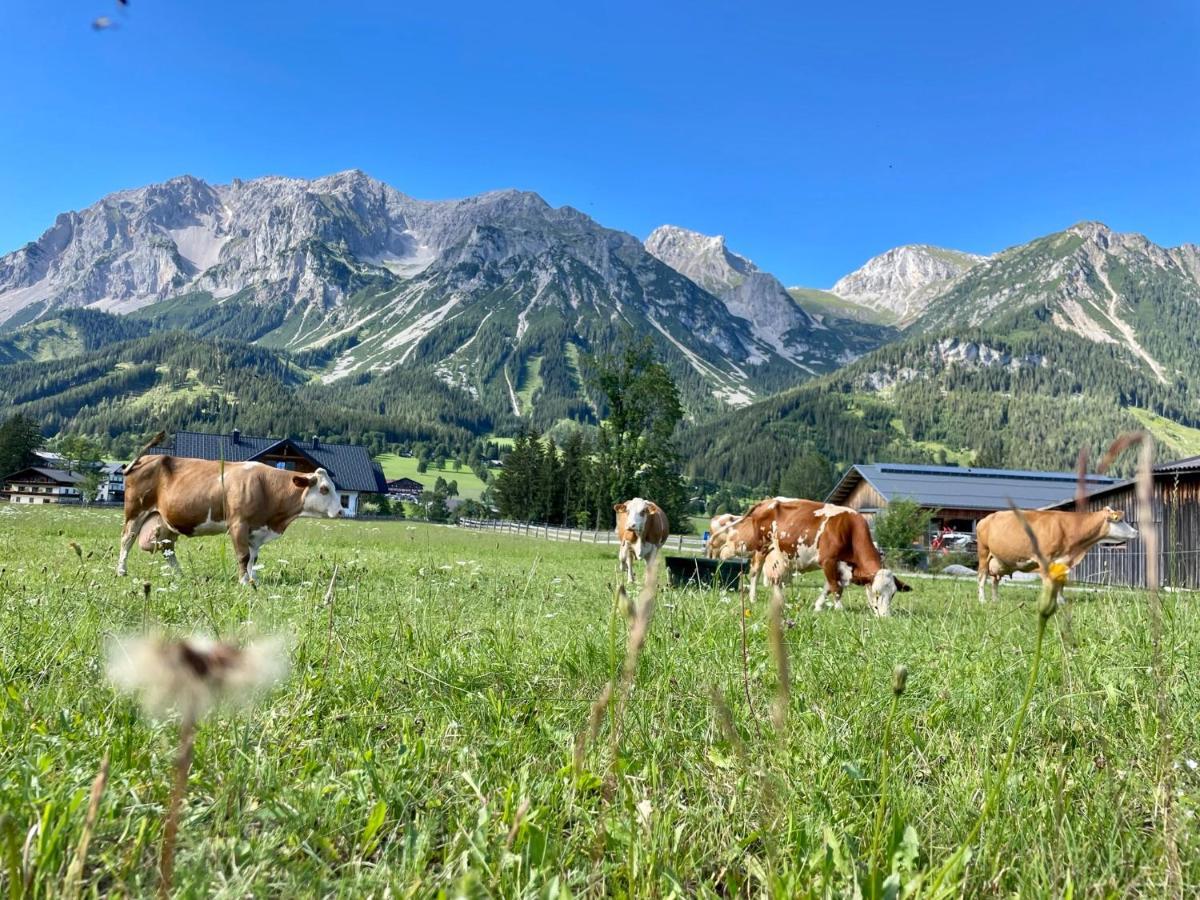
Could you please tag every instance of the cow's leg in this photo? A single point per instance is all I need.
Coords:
(239, 535)
(128, 536)
(833, 583)
(996, 587)
(983, 576)
(626, 554)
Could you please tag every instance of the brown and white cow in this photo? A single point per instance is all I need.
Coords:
(718, 533)
(642, 529)
(169, 496)
(783, 537)
(1064, 537)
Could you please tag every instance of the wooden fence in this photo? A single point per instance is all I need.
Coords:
(681, 543)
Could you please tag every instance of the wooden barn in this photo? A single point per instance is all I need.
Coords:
(1176, 518)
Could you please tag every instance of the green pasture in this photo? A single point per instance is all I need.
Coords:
(396, 466)
(424, 742)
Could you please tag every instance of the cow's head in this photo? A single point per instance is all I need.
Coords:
(882, 589)
(637, 512)
(320, 496)
(1117, 530)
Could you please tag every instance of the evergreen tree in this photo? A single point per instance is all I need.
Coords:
(19, 438)
(636, 450)
(809, 476)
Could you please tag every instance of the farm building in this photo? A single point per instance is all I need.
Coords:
(1176, 519)
(39, 484)
(406, 489)
(957, 497)
(351, 467)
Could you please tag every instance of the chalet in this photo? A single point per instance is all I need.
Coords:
(1175, 517)
(351, 467)
(957, 497)
(405, 489)
(39, 484)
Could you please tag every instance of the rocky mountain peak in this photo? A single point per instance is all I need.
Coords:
(904, 279)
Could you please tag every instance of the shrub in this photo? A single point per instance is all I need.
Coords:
(901, 526)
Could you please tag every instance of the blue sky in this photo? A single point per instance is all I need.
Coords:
(812, 135)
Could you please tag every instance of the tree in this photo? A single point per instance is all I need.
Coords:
(19, 438)
(809, 475)
(422, 465)
(636, 452)
(900, 527)
(79, 453)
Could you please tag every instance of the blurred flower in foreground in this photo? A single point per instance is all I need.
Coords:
(194, 673)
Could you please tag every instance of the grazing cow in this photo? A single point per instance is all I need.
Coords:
(642, 529)
(168, 496)
(1064, 537)
(783, 537)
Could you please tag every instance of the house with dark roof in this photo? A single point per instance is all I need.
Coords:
(351, 467)
(40, 484)
(957, 497)
(406, 489)
(1175, 517)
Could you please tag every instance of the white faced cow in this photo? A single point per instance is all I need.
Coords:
(642, 529)
(1064, 537)
(168, 496)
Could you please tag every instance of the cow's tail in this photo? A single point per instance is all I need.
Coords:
(154, 442)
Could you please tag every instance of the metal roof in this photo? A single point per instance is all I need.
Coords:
(349, 465)
(940, 487)
(1191, 464)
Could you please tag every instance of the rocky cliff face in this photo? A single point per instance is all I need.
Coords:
(758, 297)
(902, 281)
(480, 290)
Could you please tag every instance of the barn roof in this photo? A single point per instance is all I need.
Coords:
(350, 466)
(1178, 467)
(938, 487)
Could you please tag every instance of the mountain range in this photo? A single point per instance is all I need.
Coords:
(476, 315)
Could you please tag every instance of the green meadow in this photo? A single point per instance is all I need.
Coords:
(396, 466)
(438, 733)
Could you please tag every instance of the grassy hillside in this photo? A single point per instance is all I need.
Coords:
(469, 485)
(424, 738)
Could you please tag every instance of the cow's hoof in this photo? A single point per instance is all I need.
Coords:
(121, 572)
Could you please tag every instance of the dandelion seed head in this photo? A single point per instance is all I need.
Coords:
(193, 674)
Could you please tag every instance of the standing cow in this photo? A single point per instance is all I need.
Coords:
(1004, 546)
(783, 537)
(168, 496)
(642, 530)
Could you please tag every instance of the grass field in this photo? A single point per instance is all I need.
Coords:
(395, 466)
(422, 744)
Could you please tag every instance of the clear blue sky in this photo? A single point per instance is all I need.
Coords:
(813, 135)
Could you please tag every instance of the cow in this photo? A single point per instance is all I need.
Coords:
(642, 530)
(1064, 537)
(783, 537)
(169, 496)
(718, 533)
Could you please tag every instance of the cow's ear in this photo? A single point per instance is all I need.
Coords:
(901, 586)
(300, 481)
(619, 507)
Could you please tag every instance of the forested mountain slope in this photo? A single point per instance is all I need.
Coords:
(1062, 342)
